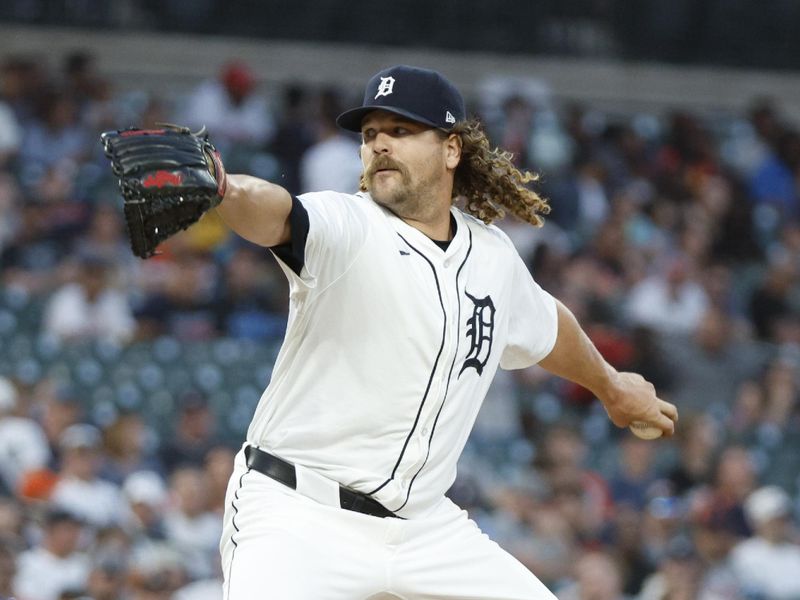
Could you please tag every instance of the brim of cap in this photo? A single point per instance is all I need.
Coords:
(351, 119)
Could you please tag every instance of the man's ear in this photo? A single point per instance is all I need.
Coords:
(452, 150)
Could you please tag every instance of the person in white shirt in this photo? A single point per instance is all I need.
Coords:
(768, 564)
(23, 443)
(79, 488)
(232, 108)
(56, 565)
(90, 307)
(672, 302)
(332, 163)
(402, 307)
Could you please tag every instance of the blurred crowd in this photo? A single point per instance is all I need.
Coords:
(674, 237)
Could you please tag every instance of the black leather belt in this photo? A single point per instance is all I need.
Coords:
(283, 471)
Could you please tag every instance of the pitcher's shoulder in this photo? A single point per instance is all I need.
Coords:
(329, 200)
(489, 234)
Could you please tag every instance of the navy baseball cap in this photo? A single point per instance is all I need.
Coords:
(419, 94)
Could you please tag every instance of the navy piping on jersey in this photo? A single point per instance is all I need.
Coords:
(433, 370)
(293, 252)
(233, 522)
(449, 376)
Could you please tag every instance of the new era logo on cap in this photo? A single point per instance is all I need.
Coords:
(419, 94)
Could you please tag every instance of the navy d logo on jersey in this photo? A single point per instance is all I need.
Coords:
(479, 333)
(385, 87)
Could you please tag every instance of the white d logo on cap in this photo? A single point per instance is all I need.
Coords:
(385, 86)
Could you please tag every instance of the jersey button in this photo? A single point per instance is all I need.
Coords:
(424, 431)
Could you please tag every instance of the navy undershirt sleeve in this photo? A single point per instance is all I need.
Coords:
(293, 252)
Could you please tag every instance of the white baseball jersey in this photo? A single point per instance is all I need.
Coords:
(391, 346)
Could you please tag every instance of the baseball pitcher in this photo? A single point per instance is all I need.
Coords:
(402, 307)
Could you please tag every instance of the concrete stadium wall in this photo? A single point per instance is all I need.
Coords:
(158, 61)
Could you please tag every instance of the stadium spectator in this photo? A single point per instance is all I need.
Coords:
(627, 546)
(699, 441)
(597, 577)
(293, 136)
(156, 572)
(106, 581)
(126, 448)
(662, 521)
(708, 367)
(80, 489)
(54, 141)
(678, 575)
(22, 80)
(713, 544)
(32, 255)
(105, 236)
(232, 108)
(781, 395)
(767, 564)
(673, 302)
(218, 467)
(722, 502)
(56, 565)
(193, 436)
(248, 302)
(178, 292)
(580, 495)
(632, 483)
(83, 82)
(524, 519)
(773, 185)
(190, 526)
(333, 162)
(23, 444)
(147, 496)
(90, 307)
(771, 306)
(56, 405)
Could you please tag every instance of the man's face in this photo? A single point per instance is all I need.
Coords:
(82, 462)
(62, 538)
(405, 163)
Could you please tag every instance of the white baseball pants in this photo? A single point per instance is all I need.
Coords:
(278, 544)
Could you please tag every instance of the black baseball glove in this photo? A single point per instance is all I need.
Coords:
(168, 178)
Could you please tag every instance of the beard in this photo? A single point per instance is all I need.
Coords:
(399, 192)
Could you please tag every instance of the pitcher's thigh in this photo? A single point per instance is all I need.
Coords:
(460, 562)
(278, 545)
(277, 566)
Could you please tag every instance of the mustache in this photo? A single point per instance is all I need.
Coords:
(383, 162)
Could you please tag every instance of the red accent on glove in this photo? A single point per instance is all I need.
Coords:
(160, 179)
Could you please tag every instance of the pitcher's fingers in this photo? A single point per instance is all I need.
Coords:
(666, 425)
(668, 409)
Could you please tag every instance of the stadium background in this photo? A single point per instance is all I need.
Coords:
(666, 134)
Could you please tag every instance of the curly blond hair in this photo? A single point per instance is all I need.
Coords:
(489, 184)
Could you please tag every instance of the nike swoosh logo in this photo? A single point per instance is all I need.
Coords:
(404, 253)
